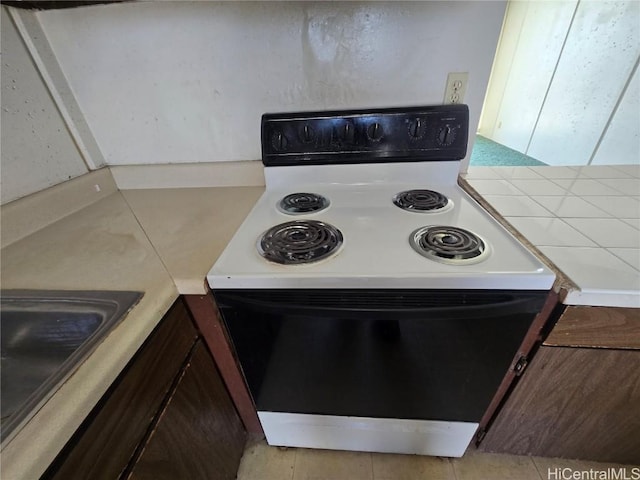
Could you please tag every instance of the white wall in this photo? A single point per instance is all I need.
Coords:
(37, 150)
(165, 82)
(539, 41)
(553, 94)
(621, 142)
(601, 49)
(505, 54)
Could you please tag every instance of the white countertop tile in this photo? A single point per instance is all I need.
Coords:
(633, 170)
(602, 277)
(517, 172)
(517, 206)
(617, 206)
(556, 172)
(603, 297)
(549, 232)
(538, 187)
(628, 186)
(582, 186)
(629, 255)
(607, 232)
(592, 232)
(495, 187)
(601, 171)
(570, 206)
(634, 222)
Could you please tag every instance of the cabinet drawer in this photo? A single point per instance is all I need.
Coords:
(598, 327)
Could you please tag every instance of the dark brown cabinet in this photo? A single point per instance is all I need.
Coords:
(198, 434)
(578, 402)
(168, 415)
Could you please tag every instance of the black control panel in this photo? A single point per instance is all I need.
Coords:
(435, 133)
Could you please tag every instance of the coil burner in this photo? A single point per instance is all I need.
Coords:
(423, 201)
(301, 203)
(299, 242)
(451, 245)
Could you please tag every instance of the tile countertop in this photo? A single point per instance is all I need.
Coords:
(160, 242)
(585, 220)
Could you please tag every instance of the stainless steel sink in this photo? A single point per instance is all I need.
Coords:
(45, 336)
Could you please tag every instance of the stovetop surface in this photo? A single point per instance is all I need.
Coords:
(376, 252)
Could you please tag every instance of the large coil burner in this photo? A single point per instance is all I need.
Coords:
(424, 201)
(299, 242)
(301, 203)
(451, 245)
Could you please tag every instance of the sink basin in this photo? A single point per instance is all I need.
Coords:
(45, 336)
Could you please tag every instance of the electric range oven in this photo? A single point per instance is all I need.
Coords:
(371, 303)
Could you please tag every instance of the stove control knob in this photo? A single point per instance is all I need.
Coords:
(374, 132)
(417, 128)
(348, 133)
(307, 134)
(446, 135)
(279, 142)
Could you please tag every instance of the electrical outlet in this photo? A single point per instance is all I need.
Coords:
(456, 87)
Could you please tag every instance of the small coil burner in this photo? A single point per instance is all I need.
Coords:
(299, 242)
(301, 203)
(424, 201)
(451, 245)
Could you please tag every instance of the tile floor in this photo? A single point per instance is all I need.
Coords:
(262, 462)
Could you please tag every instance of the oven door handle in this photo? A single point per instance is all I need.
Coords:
(492, 309)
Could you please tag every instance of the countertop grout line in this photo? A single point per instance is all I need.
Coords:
(593, 240)
(568, 225)
(608, 249)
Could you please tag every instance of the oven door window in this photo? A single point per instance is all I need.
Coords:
(433, 359)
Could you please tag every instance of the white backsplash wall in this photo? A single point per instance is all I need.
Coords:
(37, 150)
(165, 82)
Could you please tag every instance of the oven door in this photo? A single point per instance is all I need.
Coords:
(385, 354)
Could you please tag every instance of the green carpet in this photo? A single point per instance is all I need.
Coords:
(489, 153)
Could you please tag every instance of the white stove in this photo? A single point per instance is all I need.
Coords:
(372, 304)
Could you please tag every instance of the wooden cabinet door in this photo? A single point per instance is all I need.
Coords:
(106, 441)
(199, 435)
(573, 403)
